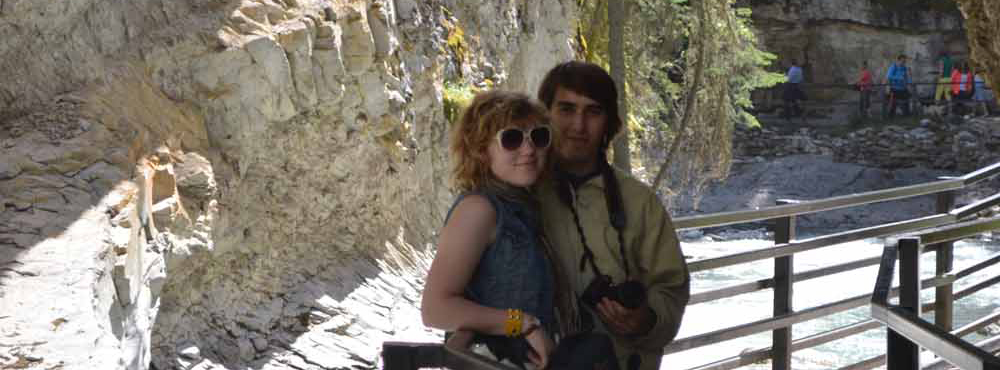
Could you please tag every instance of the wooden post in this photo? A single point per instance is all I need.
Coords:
(944, 256)
(901, 353)
(781, 339)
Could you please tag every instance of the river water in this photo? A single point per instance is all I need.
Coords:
(745, 308)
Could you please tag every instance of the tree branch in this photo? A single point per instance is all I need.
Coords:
(690, 100)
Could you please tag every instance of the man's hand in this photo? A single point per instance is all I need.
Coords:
(625, 321)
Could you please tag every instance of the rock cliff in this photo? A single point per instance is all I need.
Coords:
(232, 184)
(831, 39)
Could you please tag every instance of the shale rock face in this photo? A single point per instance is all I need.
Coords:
(198, 184)
(831, 39)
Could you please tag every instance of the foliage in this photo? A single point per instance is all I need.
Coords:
(455, 98)
(662, 39)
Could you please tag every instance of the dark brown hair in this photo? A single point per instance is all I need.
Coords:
(586, 79)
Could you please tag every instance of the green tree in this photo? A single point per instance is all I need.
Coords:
(689, 71)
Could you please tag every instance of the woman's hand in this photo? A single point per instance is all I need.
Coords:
(540, 342)
(460, 340)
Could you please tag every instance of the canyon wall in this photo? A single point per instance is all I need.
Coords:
(832, 38)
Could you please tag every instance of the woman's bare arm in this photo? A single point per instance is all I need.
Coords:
(462, 242)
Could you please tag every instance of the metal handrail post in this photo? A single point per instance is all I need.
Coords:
(411, 356)
(781, 339)
(944, 258)
(901, 353)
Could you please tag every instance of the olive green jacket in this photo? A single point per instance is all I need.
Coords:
(652, 249)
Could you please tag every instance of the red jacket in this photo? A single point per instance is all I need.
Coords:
(957, 83)
(865, 82)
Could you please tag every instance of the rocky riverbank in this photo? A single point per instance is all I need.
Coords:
(946, 144)
(806, 163)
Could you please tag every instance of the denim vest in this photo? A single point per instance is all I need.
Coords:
(514, 271)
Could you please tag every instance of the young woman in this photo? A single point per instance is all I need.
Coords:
(492, 281)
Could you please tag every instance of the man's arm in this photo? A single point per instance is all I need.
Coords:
(662, 268)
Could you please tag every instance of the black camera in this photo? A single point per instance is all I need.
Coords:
(630, 294)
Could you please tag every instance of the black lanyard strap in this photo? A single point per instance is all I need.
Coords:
(616, 214)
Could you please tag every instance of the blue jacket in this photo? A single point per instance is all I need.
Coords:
(794, 75)
(899, 77)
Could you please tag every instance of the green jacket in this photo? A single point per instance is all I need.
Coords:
(652, 249)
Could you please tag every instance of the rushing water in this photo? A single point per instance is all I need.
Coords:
(714, 315)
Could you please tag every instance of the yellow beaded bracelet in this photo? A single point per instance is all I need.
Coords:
(512, 327)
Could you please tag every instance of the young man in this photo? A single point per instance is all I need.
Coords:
(899, 82)
(981, 95)
(604, 223)
(793, 90)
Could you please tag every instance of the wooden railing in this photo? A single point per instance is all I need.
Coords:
(907, 330)
(786, 246)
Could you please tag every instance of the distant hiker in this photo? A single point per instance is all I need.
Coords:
(899, 82)
(864, 85)
(943, 87)
(492, 280)
(793, 90)
(981, 95)
(961, 82)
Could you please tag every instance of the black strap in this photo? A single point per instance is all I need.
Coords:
(616, 214)
(616, 209)
(588, 255)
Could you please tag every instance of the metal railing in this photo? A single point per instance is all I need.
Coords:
(786, 246)
(800, 208)
(907, 330)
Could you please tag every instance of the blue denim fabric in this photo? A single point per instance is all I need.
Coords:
(514, 271)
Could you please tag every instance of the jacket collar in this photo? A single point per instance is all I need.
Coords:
(593, 178)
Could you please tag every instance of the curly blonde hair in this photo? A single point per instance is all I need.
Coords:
(487, 114)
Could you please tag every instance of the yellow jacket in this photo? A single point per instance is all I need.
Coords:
(652, 249)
